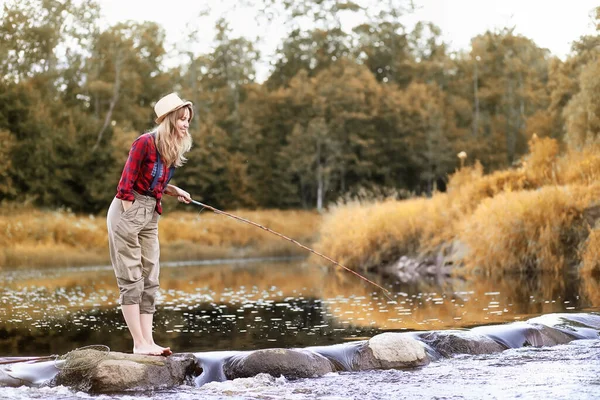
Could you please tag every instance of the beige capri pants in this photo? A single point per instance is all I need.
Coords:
(134, 250)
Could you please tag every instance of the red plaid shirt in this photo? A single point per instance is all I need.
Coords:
(137, 173)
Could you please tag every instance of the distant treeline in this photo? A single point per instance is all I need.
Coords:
(380, 109)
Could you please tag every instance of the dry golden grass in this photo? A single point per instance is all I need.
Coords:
(541, 167)
(582, 167)
(517, 220)
(523, 231)
(35, 238)
(466, 189)
(522, 219)
(363, 235)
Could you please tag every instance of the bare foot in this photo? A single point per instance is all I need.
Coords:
(148, 349)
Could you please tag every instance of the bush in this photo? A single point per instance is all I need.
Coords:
(524, 231)
(366, 235)
(517, 220)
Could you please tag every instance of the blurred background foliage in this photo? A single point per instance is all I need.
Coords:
(380, 108)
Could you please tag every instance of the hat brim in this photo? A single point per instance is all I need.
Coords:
(158, 120)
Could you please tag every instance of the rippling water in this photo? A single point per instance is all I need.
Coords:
(245, 306)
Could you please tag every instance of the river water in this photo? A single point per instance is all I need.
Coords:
(268, 303)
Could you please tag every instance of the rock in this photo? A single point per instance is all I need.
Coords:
(513, 335)
(390, 350)
(292, 364)
(551, 336)
(416, 269)
(449, 343)
(523, 334)
(457, 252)
(591, 214)
(119, 372)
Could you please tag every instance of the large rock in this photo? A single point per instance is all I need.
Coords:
(390, 350)
(552, 336)
(292, 364)
(449, 343)
(119, 372)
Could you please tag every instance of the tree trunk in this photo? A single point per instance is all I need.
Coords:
(476, 101)
(510, 133)
(113, 100)
(319, 178)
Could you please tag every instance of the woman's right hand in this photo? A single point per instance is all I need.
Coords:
(126, 204)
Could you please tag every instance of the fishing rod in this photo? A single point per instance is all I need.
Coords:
(217, 211)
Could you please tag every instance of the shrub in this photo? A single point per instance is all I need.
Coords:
(536, 230)
(365, 235)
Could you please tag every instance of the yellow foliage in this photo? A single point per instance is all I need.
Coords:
(48, 228)
(363, 235)
(581, 167)
(211, 229)
(540, 166)
(31, 237)
(522, 231)
(466, 189)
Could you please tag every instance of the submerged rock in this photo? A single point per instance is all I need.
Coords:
(292, 364)
(119, 372)
(449, 343)
(390, 350)
(551, 336)
(578, 326)
(523, 334)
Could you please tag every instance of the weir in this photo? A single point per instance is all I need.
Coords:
(406, 350)
(212, 366)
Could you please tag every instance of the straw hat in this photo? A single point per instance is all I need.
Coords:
(168, 104)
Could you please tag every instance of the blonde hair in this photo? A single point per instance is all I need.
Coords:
(170, 146)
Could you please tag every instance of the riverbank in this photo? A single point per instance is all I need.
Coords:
(537, 217)
(540, 216)
(34, 238)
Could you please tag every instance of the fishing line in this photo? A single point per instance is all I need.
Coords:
(217, 211)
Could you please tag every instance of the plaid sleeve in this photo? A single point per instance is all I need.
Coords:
(132, 169)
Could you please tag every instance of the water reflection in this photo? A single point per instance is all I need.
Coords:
(263, 304)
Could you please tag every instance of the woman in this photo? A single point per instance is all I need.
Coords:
(133, 216)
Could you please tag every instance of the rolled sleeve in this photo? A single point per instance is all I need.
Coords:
(137, 153)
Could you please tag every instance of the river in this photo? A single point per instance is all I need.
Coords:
(274, 303)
